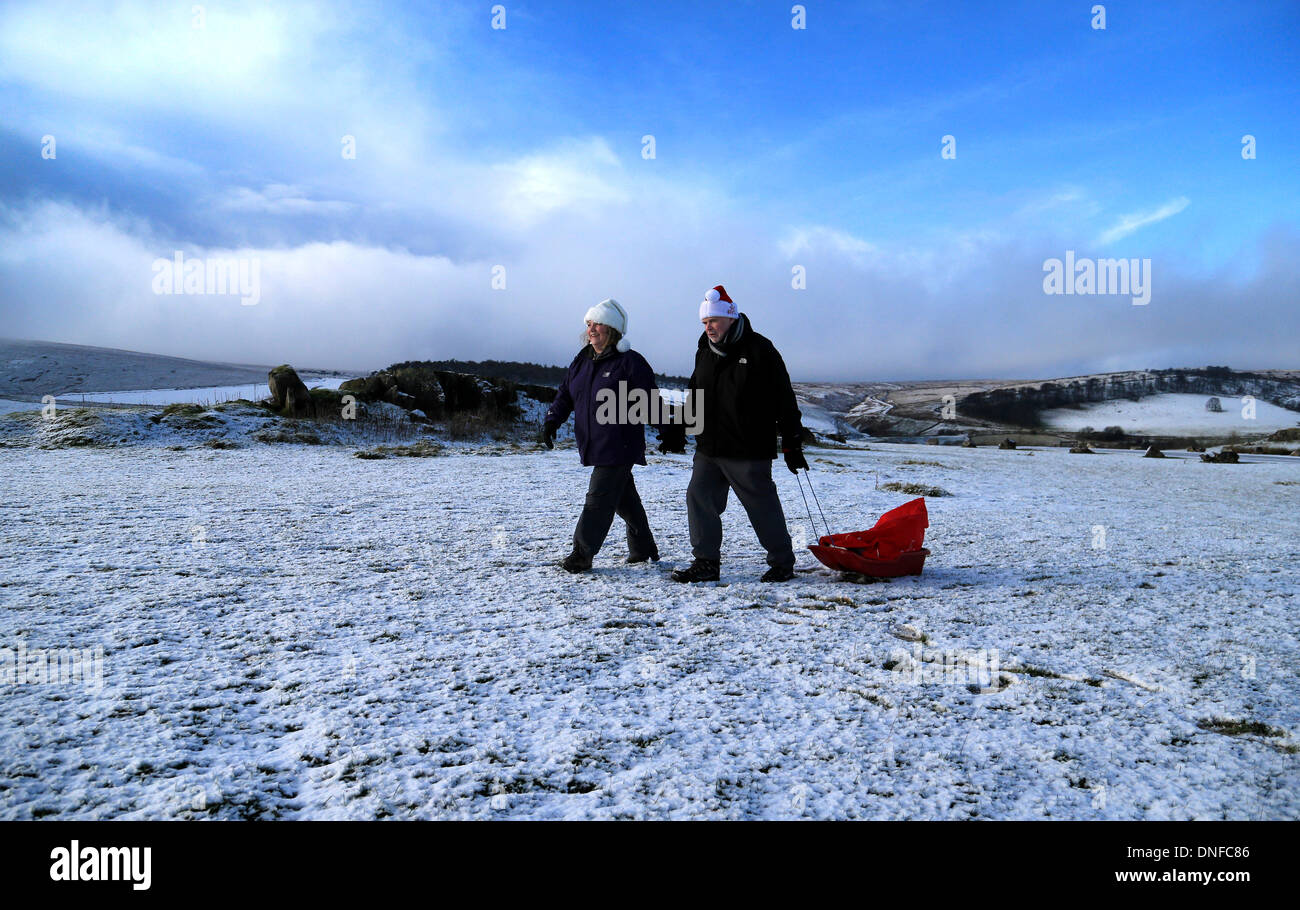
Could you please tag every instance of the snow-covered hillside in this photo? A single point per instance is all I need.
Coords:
(1173, 414)
(292, 632)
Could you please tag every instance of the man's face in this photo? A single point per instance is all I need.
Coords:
(717, 326)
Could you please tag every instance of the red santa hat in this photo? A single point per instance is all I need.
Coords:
(717, 303)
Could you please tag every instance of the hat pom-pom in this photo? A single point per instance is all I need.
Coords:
(623, 345)
(711, 295)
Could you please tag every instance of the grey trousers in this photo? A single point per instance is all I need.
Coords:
(706, 500)
(611, 492)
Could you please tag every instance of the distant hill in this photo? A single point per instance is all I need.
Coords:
(532, 373)
(31, 369)
(986, 406)
(1022, 404)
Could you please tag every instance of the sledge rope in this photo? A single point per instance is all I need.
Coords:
(807, 508)
(819, 504)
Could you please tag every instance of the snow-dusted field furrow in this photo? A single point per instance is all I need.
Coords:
(291, 632)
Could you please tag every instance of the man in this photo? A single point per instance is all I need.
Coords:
(747, 399)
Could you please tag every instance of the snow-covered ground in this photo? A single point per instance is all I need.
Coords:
(1173, 414)
(292, 632)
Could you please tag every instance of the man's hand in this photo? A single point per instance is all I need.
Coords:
(794, 459)
(672, 438)
(547, 436)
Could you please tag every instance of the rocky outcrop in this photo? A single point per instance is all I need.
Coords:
(1153, 452)
(386, 386)
(414, 385)
(289, 393)
(1224, 457)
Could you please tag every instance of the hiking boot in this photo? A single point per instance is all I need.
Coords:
(653, 557)
(575, 562)
(699, 570)
(778, 573)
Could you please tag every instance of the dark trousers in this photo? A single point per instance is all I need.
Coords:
(706, 500)
(611, 492)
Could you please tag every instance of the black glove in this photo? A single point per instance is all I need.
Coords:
(672, 438)
(547, 436)
(794, 459)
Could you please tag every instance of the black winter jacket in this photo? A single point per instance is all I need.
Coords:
(747, 397)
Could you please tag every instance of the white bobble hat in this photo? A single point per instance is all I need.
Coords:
(611, 313)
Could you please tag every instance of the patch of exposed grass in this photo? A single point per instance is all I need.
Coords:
(914, 489)
(839, 599)
(241, 406)
(422, 449)
(1230, 727)
(933, 464)
(465, 425)
(291, 432)
(183, 409)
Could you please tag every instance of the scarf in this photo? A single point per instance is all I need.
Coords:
(733, 335)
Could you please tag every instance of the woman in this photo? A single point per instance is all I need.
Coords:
(608, 442)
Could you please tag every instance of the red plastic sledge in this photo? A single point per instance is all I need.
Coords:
(893, 547)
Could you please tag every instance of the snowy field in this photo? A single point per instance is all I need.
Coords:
(1172, 414)
(292, 632)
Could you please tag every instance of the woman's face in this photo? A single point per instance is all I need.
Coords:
(598, 335)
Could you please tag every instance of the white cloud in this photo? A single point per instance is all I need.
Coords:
(575, 175)
(133, 52)
(1137, 220)
(279, 199)
(970, 305)
(808, 239)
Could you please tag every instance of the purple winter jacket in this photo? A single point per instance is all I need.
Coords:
(602, 443)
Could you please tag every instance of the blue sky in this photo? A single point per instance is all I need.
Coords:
(775, 147)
